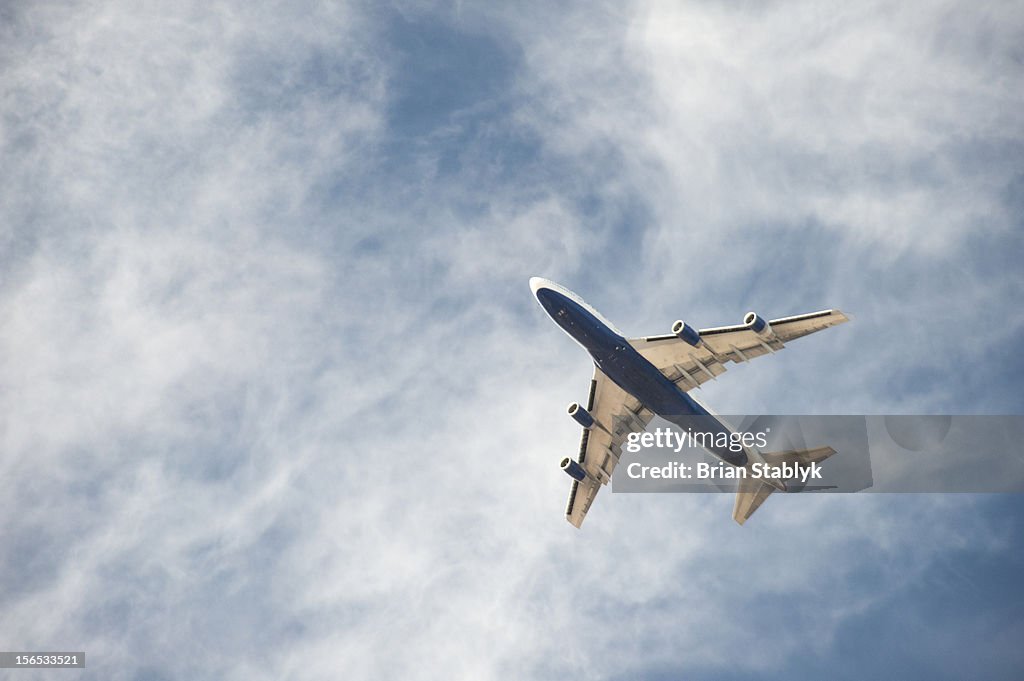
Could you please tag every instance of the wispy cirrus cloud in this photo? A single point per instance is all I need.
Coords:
(277, 402)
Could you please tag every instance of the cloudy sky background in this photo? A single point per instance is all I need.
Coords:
(276, 401)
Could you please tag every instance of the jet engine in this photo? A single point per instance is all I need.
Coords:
(573, 469)
(581, 415)
(759, 325)
(686, 333)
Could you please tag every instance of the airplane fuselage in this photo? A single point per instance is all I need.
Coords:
(626, 367)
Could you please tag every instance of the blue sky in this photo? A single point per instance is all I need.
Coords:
(277, 402)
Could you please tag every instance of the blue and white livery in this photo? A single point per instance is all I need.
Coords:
(636, 379)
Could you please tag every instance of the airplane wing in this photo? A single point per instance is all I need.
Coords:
(689, 365)
(616, 414)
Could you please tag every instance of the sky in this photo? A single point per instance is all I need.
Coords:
(276, 401)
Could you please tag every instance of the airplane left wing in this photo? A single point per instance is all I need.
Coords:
(689, 363)
(616, 414)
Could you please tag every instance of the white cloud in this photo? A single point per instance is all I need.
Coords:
(277, 402)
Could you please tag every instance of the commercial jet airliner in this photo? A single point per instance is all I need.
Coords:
(636, 379)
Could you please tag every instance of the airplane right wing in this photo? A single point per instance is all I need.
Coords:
(616, 414)
(689, 365)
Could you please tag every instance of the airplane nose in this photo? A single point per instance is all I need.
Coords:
(536, 283)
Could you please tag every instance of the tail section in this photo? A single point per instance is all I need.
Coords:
(754, 490)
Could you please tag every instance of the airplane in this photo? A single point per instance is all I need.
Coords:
(636, 379)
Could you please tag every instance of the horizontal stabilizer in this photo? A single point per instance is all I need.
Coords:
(801, 456)
(753, 491)
(749, 497)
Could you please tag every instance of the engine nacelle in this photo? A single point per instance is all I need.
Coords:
(573, 469)
(759, 325)
(686, 333)
(581, 415)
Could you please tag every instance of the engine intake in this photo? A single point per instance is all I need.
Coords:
(686, 333)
